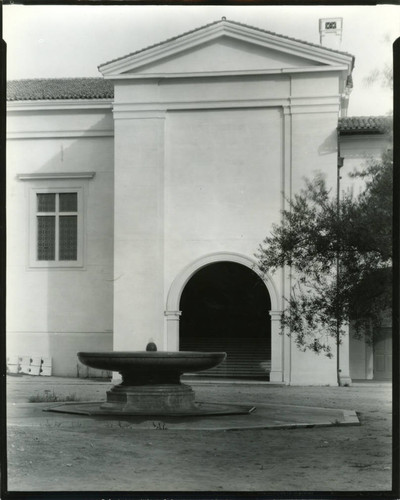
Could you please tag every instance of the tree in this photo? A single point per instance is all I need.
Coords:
(339, 255)
(382, 75)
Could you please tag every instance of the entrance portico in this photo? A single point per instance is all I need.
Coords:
(173, 312)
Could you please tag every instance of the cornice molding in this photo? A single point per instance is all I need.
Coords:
(59, 105)
(47, 134)
(55, 176)
(139, 111)
(364, 137)
(162, 106)
(292, 105)
(172, 315)
(219, 74)
(275, 315)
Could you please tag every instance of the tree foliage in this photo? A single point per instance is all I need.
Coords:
(382, 76)
(318, 237)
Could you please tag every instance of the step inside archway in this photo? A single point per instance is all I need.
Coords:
(225, 307)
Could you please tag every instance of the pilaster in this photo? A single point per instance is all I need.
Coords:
(171, 340)
(344, 359)
(276, 374)
(138, 229)
(286, 280)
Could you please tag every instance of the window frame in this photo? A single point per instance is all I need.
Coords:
(33, 229)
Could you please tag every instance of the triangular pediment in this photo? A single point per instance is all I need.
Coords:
(225, 47)
(224, 54)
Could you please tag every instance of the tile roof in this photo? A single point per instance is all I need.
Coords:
(364, 125)
(230, 22)
(59, 88)
(98, 88)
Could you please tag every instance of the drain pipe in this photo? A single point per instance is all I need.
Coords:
(339, 166)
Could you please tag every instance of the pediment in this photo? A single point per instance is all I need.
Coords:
(225, 47)
(224, 54)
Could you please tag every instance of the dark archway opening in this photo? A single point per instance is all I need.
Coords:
(225, 307)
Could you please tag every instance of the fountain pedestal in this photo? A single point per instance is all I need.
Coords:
(151, 398)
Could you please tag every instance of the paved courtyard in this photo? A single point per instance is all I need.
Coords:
(78, 453)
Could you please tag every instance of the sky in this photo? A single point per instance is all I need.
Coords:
(71, 41)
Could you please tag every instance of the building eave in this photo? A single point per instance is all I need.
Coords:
(59, 105)
(218, 74)
(364, 125)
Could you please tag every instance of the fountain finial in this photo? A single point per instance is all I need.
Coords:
(151, 346)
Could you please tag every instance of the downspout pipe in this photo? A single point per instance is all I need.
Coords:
(340, 163)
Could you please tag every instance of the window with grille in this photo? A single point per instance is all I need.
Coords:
(57, 228)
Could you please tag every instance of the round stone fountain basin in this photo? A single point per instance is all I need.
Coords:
(151, 379)
(151, 367)
(151, 384)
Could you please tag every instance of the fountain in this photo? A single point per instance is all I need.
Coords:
(151, 384)
(151, 387)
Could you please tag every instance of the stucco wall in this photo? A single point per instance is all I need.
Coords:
(357, 151)
(57, 312)
(361, 359)
(203, 166)
(222, 180)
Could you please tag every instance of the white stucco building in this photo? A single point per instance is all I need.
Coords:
(136, 201)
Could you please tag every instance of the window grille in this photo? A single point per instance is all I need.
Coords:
(57, 226)
(46, 249)
(68, 237)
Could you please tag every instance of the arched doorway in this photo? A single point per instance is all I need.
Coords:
(225, 307)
